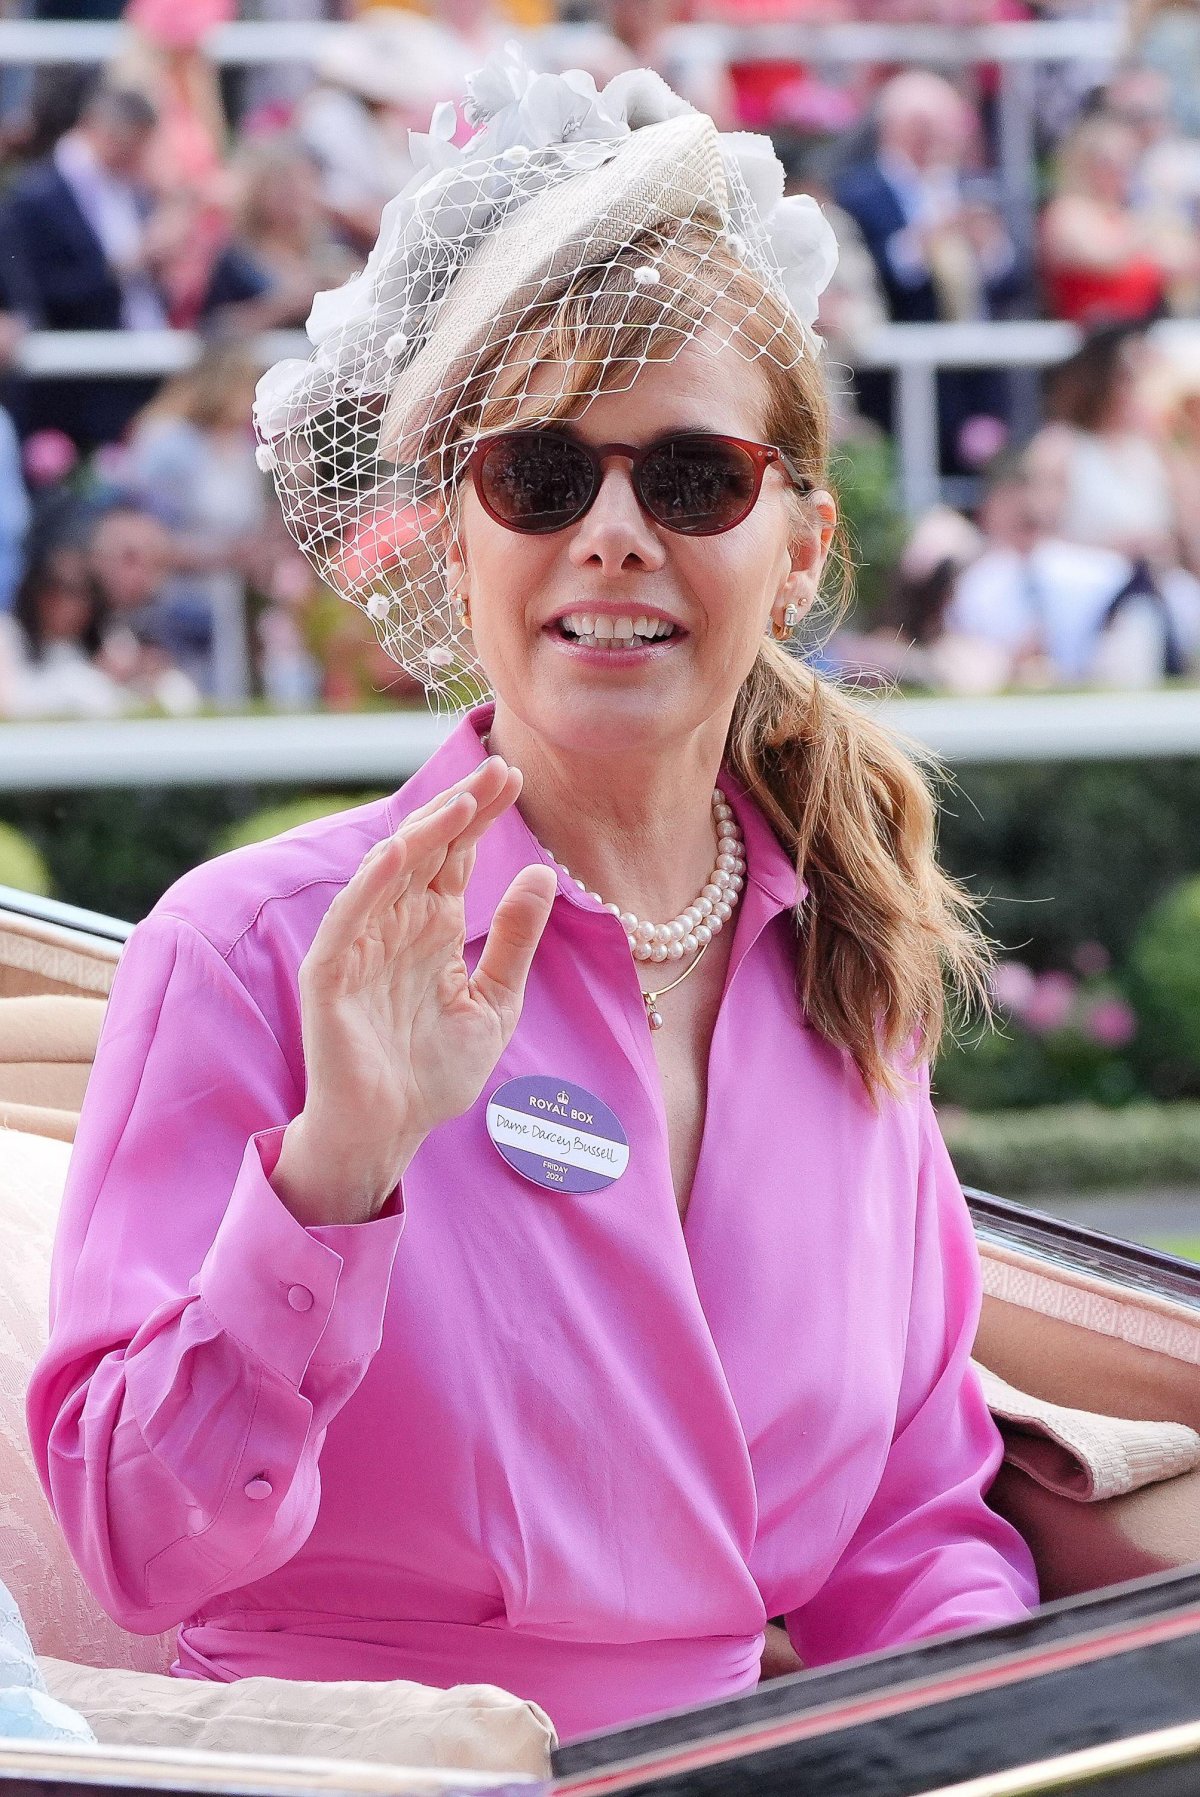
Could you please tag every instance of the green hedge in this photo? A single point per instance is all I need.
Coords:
(1164, 982)
(1075, 1147)
(1065, 853)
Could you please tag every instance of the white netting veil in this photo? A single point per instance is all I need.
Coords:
(577, 235)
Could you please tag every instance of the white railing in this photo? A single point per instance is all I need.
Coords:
(119, 354)
(383, 748)
(252, 41)
(915, 352)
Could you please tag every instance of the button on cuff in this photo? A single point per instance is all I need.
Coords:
(258, 1489)
(260, 1252)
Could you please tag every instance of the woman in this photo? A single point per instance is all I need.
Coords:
(1101, 261)
(1105, 479)
(281, 250)
(462, 1277)
(1173, 399)
(54, 641)
(1105, 482)
(190, 459)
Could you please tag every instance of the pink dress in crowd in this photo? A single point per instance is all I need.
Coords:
(548, 1439)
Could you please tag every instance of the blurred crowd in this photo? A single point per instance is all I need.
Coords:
(1080, 563)
(143, 561)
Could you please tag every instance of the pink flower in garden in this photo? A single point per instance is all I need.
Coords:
(1013, 986)
(1092, 958)
(1111, 1022)
(1049, 1005)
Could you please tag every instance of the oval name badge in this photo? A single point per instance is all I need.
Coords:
(557, 1134)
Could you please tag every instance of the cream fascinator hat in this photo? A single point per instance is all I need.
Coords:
(563, 190)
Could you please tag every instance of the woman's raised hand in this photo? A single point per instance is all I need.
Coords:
(397, 1036)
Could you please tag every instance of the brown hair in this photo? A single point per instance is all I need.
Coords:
(884, 928)
(1081, 390)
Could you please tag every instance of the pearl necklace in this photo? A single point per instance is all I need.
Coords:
(695, 926)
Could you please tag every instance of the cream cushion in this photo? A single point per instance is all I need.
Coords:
(52, 1765)
(476, 1726)
(1081, 1455)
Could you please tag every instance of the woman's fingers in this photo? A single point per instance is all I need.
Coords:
(481, 781)
(436, 842)
(520, 917)
(389, 868)
(491, 786)
(460, 857)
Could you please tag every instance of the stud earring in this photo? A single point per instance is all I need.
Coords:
(782, 631)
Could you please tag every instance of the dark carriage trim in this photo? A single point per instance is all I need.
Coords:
(67, 917)
(1062, 1243)
(1092, 1631)
(1001, 1713)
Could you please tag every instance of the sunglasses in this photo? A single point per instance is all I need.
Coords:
(695, 483)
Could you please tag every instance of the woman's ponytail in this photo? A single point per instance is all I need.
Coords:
(884, 929)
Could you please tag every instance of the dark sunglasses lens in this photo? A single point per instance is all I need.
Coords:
(536, 481)
(697, 485)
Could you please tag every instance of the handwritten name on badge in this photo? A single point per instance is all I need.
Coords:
(557, 1134)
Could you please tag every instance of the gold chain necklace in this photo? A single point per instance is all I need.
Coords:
(654, 1016)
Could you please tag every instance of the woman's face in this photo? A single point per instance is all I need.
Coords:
(717, 592)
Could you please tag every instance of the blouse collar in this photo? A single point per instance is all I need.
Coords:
(511, 845)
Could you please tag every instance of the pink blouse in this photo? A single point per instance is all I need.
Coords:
(504, 1433)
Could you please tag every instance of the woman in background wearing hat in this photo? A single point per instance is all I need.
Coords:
(472, 1270)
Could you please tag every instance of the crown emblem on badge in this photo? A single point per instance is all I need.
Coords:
(564, 1098)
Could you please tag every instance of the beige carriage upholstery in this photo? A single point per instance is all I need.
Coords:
(40, 957)
(53, 986)
(1084, 1340)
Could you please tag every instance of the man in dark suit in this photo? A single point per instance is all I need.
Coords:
(78, 252)
(941, 252)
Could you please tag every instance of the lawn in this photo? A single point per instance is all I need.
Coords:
(1186, 1246)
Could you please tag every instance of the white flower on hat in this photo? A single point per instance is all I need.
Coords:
(807, 252)
(277, 393)
(502, 81)
(433, 150)
(753, 158)
(794, 230)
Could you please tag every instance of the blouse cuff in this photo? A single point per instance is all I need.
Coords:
(294, 1296)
